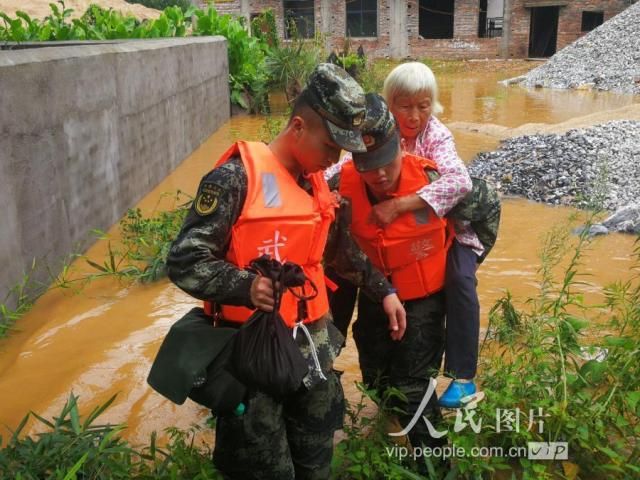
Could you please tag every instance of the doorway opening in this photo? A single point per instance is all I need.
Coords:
(543, 33)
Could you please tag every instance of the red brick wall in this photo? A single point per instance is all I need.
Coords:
(569, 22)
(456, 48)
(465, 19)
(465, 43)
(224, 6)
(374, 47)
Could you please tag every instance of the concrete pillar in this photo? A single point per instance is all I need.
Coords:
(245, 11)
(325, 23)
(506, 29)
(398, 29)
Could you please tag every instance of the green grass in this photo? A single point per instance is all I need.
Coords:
(18, 301)
(76, 447)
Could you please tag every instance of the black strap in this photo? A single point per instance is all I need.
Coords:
(287, 276)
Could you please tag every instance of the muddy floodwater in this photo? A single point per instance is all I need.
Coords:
(101, 341)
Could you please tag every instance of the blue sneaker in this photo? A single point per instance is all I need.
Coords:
(455, 392)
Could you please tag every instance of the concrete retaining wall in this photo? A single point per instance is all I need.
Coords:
(86, 131)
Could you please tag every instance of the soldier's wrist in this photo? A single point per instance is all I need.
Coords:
(385, 289)
(247, 286)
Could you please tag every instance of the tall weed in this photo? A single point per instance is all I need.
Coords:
(565, 371)
(289, 65)
(18, 301)
(141, 253)
(364, 452)
(72, 446)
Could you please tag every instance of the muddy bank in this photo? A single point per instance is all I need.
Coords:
(40, 8)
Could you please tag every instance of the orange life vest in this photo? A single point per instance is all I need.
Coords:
(412, 250)
(280, 219)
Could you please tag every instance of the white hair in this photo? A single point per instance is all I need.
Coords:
(409, 79)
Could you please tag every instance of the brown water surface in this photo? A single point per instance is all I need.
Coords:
(101, 341)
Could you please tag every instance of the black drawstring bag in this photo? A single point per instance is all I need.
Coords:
(265, 355)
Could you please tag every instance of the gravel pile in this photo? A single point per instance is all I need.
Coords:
(607, 58)
(596, 166)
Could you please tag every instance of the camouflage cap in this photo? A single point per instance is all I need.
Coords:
(380, 136)
(334, 95)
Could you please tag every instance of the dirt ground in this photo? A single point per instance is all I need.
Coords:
(40, 8)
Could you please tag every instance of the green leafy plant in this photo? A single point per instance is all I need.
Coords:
(263, 27)
(73, 447)
(365, 452)
(247, 78)
(288, 66)
(372, 75)
(21, 29)
(144, 243)
(69, 448)
(148, 238)
(271, 127)
(97, 23)
(140, 254)
(354, 63)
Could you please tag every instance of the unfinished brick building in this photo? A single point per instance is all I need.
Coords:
(438, 28)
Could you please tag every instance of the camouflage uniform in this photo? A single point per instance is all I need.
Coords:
(291, 437)
(406, 365)
(482, 208)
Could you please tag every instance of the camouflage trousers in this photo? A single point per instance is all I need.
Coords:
(288, 438)
(406, 365)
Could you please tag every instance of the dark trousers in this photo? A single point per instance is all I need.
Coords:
(408, 364)
(290, 437)
(342, 301)
(285, 439)
(463, 312)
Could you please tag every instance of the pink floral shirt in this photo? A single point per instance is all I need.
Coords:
(436, 143)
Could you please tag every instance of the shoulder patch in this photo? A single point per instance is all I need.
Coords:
(208, 199)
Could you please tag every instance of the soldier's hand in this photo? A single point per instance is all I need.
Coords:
(384, 213)
(262, 294)
(397, 316)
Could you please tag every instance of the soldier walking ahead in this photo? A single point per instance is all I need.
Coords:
(273, 199)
